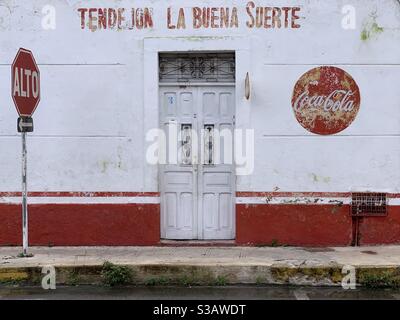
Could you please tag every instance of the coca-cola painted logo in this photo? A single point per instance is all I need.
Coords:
(326, 100)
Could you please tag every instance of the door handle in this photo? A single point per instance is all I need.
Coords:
(209, 144)
(186, 144)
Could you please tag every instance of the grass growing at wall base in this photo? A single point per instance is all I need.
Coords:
(114, 275)
(380, 279)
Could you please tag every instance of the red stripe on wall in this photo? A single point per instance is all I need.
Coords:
(293, 194)
(81, 194)
(157, 194)
(303, 194)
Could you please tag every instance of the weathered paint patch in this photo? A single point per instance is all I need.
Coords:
(371, 29)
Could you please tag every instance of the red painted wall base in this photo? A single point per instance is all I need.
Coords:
(312, 225)
(139, 224)
(82, 225)
(296, 225)
(380, 230)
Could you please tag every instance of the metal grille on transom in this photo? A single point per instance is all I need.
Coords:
(196, 67)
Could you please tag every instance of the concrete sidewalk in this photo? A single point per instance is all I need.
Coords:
(207, 265)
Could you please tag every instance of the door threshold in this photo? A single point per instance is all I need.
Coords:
(197, 243)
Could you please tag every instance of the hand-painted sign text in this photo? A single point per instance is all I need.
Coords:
(251, 16)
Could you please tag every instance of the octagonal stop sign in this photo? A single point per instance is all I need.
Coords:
(25, 83)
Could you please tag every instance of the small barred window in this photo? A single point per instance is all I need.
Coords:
(196, 67)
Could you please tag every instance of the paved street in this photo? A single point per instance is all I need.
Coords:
(196, 293)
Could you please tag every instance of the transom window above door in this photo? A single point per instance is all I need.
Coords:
(197, 67)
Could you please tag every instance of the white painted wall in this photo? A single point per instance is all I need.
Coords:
(91, 121)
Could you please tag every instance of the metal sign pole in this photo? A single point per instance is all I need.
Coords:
(24, 197)
(25, 73)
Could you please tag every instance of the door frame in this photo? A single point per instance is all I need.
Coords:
(152, 47)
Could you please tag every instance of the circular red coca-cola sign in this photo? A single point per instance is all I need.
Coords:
(326, 100)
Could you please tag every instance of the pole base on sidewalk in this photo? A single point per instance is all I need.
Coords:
(23, 255)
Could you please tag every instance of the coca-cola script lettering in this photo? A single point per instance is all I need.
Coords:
(326, 100)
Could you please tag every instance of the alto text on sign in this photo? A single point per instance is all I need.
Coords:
(26, 83)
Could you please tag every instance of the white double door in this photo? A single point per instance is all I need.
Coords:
(197, 182)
